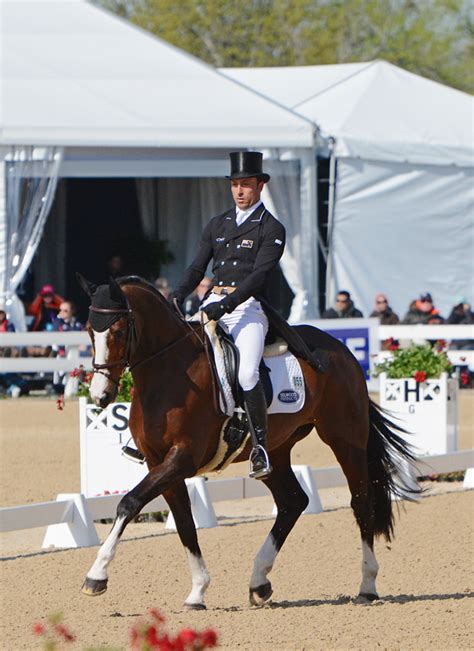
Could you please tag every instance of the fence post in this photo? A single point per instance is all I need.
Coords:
(203, 512)
(305, 479)
(81, 532)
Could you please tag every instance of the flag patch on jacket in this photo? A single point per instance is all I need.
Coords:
(247, 244)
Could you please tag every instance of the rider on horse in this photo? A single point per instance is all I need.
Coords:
(245, 243)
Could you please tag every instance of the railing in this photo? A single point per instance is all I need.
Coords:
(73, 340)
(74, 514)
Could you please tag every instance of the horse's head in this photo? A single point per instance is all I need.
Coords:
(110, 328)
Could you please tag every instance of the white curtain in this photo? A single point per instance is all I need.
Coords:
(176, 210)
(30, 179)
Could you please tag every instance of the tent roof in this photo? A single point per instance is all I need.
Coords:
(74, 74)
(375, 110)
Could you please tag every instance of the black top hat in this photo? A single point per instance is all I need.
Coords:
(244, 164)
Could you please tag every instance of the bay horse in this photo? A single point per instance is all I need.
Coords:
(175, 424)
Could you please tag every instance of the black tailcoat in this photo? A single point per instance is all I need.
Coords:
(242, 255)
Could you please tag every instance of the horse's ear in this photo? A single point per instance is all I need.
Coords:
(87, 286)
(115, 290)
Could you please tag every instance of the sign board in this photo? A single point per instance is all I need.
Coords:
(428, 410)
(359, 335)
(103, 432)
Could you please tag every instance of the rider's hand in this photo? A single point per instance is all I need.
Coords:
(179, 299)
(214, 311)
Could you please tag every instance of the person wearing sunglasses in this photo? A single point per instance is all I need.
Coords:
(344, 308)
(383, 311)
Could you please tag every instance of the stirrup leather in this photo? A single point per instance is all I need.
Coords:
(265, 470)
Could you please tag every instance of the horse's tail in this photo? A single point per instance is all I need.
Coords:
(389, 460)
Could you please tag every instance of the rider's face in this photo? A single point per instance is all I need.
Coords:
(246, 192)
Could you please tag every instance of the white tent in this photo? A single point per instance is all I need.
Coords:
(107, 99)
(403, 217)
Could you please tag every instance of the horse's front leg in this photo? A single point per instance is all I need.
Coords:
(176, 466)
(178, 500)
(291, 501)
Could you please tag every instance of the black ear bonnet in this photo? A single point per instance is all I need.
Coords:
(102, 298)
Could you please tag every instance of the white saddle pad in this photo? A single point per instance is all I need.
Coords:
(285, 374)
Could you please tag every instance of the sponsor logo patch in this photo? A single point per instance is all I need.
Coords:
(288, 396)
(247, 244)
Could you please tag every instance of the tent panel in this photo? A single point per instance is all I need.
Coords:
(402, 230)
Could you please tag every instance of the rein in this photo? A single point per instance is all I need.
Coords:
(131, 335)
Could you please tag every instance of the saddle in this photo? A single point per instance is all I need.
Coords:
(231, 363)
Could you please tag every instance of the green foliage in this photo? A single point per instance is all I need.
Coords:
(417, 359)
(433, 38)
(125, 392)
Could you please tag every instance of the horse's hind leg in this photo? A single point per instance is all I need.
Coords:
(178, 500)
(291, 501)
(176, 466)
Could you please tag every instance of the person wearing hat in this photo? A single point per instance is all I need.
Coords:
(423, 311)
(245, 244)
(45, 308)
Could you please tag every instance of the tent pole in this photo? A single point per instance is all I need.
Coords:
(331, 207)
(309, 231)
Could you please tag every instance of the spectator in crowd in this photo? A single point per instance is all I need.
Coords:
(344, 308)
(12, 383)
(191, 306)
(383, 311)
(461, 312)
(44, 308)
(423, 311)
(115, 266)
(163, 286)
(66, 321)
(5, 325)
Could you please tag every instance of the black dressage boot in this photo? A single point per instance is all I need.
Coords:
(256, 410)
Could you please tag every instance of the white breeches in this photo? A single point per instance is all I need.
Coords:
(248, 326)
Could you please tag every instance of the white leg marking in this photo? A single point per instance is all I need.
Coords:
(263, 563)
(99, 382)
(106, 553)
(370, 569)
(200, 578)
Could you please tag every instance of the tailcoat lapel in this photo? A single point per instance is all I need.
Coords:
(232, 231)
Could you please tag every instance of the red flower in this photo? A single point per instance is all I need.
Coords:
(187, 636)
(394, 345)
(155, 613)
(464, 378)
(63, 631)
(38, 629)
(441, 344)
(420, 376)
(209, 638)
(151, 637)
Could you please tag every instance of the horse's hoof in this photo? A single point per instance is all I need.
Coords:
(94, 587)
(260, 596)
(195, 607)
(366, 597)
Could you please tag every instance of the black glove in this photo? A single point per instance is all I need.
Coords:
(214, 311)
(179, 299)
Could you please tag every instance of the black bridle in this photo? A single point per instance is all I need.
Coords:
(131, 335)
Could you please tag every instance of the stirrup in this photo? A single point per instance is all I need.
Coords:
(133, 455)
(262, 472)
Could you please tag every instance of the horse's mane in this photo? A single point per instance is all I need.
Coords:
(138, 281)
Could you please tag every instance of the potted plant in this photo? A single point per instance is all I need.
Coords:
(416, 386)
